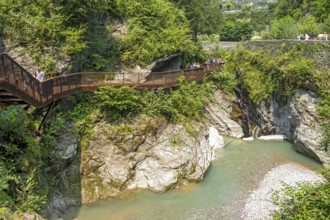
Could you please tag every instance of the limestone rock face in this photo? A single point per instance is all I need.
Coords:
(307, 135)
(151, 155)
(219, 116)
(272, 118)
(298, 121)
(20, 55)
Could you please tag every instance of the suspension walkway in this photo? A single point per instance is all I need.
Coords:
(17, 85)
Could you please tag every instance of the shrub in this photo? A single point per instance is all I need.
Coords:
(119, 103)
(309, 26)
(226, 80)
(304, 200)
(20, 156)
(284, 28)
(156, 29)
(240, 29)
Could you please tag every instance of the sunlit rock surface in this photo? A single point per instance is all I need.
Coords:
(219, 116)
(148, 154)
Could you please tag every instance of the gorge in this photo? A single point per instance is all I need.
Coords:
(137, 118)
(151, 153)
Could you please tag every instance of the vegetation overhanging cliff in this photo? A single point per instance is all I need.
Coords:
(79, 34)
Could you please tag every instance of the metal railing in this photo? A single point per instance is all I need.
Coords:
(22, 84)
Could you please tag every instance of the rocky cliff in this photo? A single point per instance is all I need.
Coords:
(153, 154)
(295, 117)
(147, 154)
(298, 120)
(221, 115)
(150, 154)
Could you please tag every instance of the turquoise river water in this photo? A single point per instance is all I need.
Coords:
(236, 171)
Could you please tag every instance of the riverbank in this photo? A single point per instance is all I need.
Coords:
(259, 205)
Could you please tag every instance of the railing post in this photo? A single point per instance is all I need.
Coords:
(33, 84)
(61, 86)
(3, 67)
(166, 79)
(12, 70)
(39, 92)
(80, 77)
(123, 78)
(23, 79)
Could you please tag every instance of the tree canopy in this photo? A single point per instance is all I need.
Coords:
(156, 28)
(204, 15)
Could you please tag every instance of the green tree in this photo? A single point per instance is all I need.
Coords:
(20, 157)
(308, 25)
(118, 104)
(291, 8)
(240, 29)
(321, 9)
(283, 28)
(82, 11)
(204, 15)
(156, 29)
(40, 26)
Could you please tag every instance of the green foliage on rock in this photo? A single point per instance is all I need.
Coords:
(43, 28)
(119, 103)
(177, 105)
(225, 79)
(263, 75)
(304, 200)
(176, 140)
(324, 110)
(21, 187)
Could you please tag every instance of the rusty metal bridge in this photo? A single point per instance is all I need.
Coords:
(17, 85)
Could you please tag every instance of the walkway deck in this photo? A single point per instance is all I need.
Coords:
(19, 86)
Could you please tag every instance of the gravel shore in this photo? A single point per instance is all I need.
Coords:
(259, 205)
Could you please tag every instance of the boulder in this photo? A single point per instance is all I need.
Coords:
(219, 116)
(149, 155)
(308, 133)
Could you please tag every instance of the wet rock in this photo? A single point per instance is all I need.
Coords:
(219, 116)
(298, 120)
(272, 118)
(308, 133)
